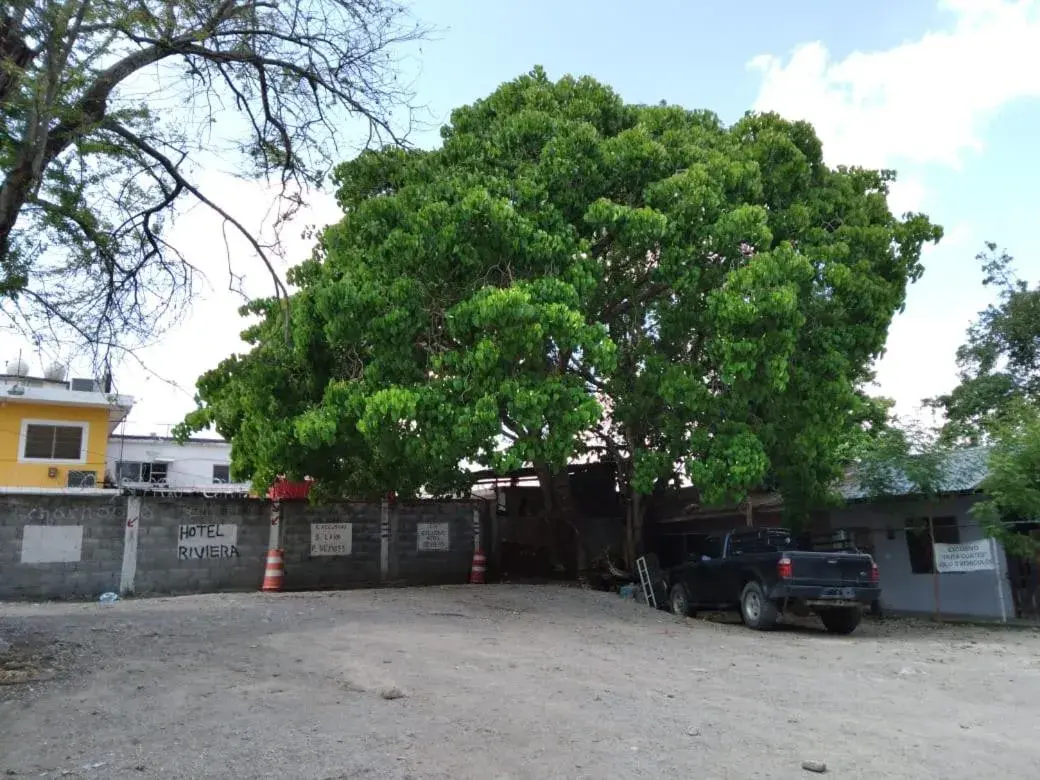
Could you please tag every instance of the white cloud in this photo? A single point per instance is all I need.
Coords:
(960, 236)
(906, 194)
(917, 106)
(923, 102)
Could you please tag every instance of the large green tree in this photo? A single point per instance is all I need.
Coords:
(110, 110)
(996, 403)
(570, 275)
(1011, 510)
(1000, 361)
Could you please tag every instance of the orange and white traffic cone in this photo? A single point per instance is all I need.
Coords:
(274, 572)
(478, 573)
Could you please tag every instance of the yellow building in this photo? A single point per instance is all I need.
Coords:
(53, 433)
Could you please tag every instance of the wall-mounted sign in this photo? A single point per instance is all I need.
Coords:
(432, 536)
(971, 556)
(52, 543)
(207, 541)
(331, 538)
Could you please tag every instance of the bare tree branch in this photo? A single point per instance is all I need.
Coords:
(94, 168)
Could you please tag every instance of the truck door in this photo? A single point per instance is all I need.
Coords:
(707, 565)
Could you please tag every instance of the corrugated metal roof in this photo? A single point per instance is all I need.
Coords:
(965, 470)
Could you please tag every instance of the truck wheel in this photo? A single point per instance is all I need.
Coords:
(680, 602)
(841, 620)
(757, 611)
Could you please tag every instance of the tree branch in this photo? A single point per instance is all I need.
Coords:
(169, 166)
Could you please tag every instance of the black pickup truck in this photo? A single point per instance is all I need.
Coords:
(762, 573)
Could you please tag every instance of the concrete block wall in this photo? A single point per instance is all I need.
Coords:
(310, 565)
(198, 545)
(64, 546)
(425, 560)
(60, 546)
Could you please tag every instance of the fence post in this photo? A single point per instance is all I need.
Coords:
(275, 537)
(131, 531)
(1000, 579)
(384, 540)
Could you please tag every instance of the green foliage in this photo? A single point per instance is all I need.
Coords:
(1012, 483)
(903, 458)
(1000, 361)
(572, 275)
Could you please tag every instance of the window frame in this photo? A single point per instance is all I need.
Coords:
(119, 479)
(93, 478)
(164, 471)
(83, 441)
(143, 467)
(925, 540)
(943, 527)
(227, 470)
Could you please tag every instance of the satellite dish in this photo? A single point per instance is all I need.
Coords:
(55, 372)
(17, 367)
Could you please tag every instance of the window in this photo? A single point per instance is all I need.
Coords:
(155, 473)
(759, 541)
(135, 471)
(221, 473)
(81, 479)
(774, 540)
(919, 541)
(53, 441)
(699, 547)
(128, 471)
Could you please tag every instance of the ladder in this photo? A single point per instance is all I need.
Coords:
(645, 581)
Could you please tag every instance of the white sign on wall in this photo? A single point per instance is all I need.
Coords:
(331, 538)
(432, 536)
(207, 541)
(972, 556)
(52, 543)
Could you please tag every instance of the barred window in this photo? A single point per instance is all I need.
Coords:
(53, 442)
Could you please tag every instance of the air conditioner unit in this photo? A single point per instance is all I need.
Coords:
(86, 385)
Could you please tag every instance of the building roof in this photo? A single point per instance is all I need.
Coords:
(167, 439)
(28, 390)
(965, 470)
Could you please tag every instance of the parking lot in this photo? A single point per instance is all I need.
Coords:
(500, 682)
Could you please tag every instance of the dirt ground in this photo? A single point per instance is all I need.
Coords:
(500, 682)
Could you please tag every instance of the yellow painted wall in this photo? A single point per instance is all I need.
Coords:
(15, 474)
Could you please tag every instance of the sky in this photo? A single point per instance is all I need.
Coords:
(947, 92)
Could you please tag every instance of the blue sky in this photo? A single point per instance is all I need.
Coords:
(946, 91)
(690, 53)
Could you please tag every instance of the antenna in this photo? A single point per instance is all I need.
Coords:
(21, 369)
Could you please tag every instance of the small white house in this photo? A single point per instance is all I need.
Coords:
(159, 461)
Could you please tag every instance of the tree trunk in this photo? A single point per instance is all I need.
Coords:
(634, 516)
(559, 512)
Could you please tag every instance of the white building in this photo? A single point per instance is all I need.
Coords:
(159, 461)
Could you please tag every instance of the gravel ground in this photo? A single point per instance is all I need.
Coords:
(500, 682)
